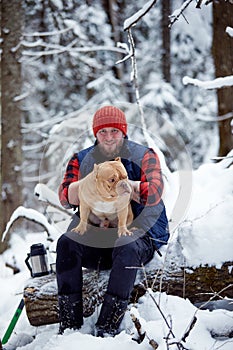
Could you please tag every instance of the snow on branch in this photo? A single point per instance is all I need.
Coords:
(226, 161)
(179, 12)
(211, 84)
(32, 215)
(48, 196)
(131, 53)
(129, 22)
(56, 32)
(216, 119)
(73, 50)
(229, 31)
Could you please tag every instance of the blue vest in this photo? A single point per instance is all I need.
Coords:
(152, 219)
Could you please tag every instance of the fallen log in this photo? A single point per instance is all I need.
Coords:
(41, 300)
(198, 285)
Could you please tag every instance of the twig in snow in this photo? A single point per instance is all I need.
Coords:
(180, 346)
(138, 326)
(141, 333)
(194, 318)
(192, 324)
(203, 215)
(13, 267)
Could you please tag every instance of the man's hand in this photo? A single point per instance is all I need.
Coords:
(135, 185)
(73, 193)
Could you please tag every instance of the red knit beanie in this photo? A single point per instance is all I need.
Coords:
(109, 116)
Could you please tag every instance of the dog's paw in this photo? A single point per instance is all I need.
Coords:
(80, 229)
(123, 231)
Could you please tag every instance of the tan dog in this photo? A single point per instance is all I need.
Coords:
(104, 197)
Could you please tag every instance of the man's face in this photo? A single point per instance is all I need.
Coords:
(110, 141)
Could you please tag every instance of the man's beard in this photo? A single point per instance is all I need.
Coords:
(108, 153)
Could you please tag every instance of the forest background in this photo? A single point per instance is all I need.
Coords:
(58, 61)
(174, 81)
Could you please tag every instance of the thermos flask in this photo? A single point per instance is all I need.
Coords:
(38, 259)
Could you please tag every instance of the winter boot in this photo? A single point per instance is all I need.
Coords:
(70, 311)
(111, 314)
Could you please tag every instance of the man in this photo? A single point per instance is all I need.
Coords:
(100, 248)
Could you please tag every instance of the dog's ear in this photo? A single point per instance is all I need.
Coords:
(118, 159)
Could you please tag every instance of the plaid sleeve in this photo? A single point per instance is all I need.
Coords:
(151, 187)
(71, 175)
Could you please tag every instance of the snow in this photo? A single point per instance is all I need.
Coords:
(30, 214)
(213, 84)
(229, 31)
(204, 236)
(46, 195)
(133, 19)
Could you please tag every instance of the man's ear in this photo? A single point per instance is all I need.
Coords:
(118, 159)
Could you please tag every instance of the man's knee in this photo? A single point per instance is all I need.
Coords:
(63, 243)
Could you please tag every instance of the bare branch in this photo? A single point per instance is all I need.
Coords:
(142, 333)
(194, 318)
(161, 312)
(177, 13)
(192, 324)
(199, 2)
(72, 50)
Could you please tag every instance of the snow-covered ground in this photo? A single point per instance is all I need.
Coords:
(204, 236)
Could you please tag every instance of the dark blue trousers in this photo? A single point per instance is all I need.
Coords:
(101, 249)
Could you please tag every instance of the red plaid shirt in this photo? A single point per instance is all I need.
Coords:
(151, 187)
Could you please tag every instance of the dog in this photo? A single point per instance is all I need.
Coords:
(104, 198)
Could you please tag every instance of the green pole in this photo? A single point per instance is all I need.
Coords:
(13, 322)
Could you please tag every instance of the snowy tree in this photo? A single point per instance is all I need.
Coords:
(11, 139)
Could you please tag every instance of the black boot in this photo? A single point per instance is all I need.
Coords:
(111, 314)
(70, 311)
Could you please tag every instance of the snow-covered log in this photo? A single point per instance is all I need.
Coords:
(41, 301)
(197, 284)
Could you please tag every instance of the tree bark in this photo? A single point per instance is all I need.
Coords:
(166, 39)
(223, 60)
(11, 139)
(198, 285)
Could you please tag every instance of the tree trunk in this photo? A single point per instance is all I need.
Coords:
(11, 140)
(166, 54)
(198, 285)
(115, 14)
(223, 59)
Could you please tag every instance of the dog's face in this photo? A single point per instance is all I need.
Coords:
(108, 174)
